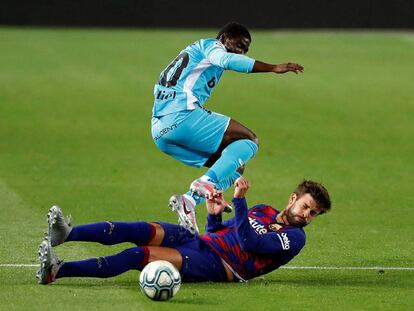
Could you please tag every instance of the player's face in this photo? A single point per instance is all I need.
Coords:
(237, 45)
(301, 210)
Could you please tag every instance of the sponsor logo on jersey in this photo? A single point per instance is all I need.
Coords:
(284, 240)
(162, 95)
(258, 227)
(275, 227)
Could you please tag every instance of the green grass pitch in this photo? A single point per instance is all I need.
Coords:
(75, 108)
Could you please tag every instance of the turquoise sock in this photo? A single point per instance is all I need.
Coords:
(212, 175)
(233, 156)
(228, 182)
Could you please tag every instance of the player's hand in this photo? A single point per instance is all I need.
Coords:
(216, 203)
(283, 68)
(241, 185)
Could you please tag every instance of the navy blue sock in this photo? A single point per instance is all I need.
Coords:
(134, 258)
(110, 233)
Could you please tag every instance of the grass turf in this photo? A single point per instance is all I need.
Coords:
(76, 107)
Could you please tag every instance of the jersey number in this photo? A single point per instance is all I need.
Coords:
(212, 82)
(172, 73)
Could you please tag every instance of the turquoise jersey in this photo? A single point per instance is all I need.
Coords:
(190, 78)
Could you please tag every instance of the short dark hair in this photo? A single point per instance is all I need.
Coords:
(318, 193)
(234, 29)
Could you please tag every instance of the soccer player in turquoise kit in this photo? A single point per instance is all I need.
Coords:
(254, 242)
(182, 128)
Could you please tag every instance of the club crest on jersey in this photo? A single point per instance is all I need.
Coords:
(275, 227)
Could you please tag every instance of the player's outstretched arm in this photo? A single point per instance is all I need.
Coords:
(215, 206)
(266, 243)
(280, 68)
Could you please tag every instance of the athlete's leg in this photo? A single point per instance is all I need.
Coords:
(235, 131)
(198, 137)
(168, 235)
(193, 137)
(110, 233)
(190, 137)
(195, 260)
(238, 146)
(134, 258)
(233, 156)
(165, 253)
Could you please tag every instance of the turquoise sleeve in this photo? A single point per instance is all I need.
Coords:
(231, 61)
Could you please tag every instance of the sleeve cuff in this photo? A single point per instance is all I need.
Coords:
(238, 201)
(214, 219)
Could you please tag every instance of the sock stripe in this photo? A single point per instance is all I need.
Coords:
(152, 233)
(146, 257)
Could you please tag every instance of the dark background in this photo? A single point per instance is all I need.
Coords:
(388, 14)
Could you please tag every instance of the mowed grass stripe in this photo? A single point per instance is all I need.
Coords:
(23, 228)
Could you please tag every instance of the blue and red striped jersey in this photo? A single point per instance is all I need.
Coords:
(252, 243)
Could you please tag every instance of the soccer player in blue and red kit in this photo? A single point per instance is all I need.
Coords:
(182, 128)
(256, 241)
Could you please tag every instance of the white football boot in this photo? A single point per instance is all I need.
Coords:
(49, 263)
(203, 188)
(184, 208)
(59, 226)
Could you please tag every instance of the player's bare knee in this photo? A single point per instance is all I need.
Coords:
(255, 140)
(251, 136)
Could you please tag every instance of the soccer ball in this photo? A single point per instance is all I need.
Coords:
(159, 280)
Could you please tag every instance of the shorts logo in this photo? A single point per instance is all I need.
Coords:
(165, 131)
(284, 240)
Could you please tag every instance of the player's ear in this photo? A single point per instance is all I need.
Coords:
(292, 199)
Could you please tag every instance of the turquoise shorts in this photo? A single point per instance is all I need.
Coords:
(190, 136)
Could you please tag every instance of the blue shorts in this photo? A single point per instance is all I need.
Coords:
(190, 136)
(200, 262)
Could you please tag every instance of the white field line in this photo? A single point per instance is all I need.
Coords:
(345, 268)
(13, 265)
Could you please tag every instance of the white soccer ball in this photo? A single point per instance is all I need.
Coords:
(160, 280)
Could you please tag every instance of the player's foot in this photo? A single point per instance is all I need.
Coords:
(49, 263)
(204, 189)
(59, 226)
(185, 211)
